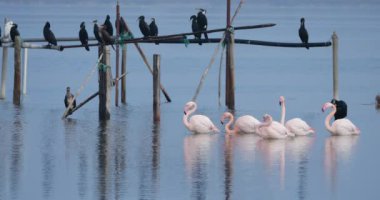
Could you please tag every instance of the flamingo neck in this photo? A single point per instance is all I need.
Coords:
(283, 112)
(185, 118)
(328, 119)
(261, 125)
(228, 125)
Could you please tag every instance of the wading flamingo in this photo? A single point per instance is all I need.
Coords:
(339, 126)
(270, 129)
(295, 126)
(197, 123)
(243, 124)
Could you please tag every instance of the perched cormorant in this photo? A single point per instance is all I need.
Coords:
(14, 32)
(144, 28)
(153, 28)
(341, 109)
(202, 21)
(83, 36)
(108, 25)
(49, 35)
(105, 36)
(123, 26)
(195, 28)
(7, 30)
(96, 32)
(69, 97)
(302, 32)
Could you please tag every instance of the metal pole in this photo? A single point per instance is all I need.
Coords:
(25, 74)
(4, 67)
(335, 66)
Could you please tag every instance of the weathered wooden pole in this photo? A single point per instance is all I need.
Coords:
(25, 73)
(335, 66)
(123, 71)
(104, 84)
(230, 71)
(17, 76)
(117, 54)
(156, 87)
(4, 67)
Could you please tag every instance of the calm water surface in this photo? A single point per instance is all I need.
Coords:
(130, 157)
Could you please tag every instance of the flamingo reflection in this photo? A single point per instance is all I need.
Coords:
(338, 149)
(196, 154)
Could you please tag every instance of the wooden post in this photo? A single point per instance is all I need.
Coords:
(4, 68)
(123, 71)
(17, 67)
(104, 84)
(230, 71)
(117, 54)
(156, 87)
(25, 74)
(335, 66)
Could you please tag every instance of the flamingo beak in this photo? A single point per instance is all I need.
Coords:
(184, 112)
(221, 122)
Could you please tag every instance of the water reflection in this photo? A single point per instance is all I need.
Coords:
(16, 152)
(228, 166)
(103, 164)
(298, 149)
(338, 149)
(273, 152)
(196, 154)
(246, 146)
(149, 170)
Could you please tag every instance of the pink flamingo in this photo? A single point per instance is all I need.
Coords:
(197, 123)
(340, 126)
(271, 129)
(295, 126)
(243, 124)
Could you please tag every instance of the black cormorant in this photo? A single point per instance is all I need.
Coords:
(195, 28)
(14, 32)
(96, 32)
(83, 36)
(105, 36)
(341, 109)
(202, 21)
(49, 35)
(108, 24)
(123, 26)
(69, 97)
(303, 33)
(153, 28)
(144, 28)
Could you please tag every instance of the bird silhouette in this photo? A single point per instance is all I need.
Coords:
(108, 25)
(153, 28)
(202, 21)
(83, 36)
(302, 32)
(195, 28)
(144, 28)
(14, 32)
(49, 35)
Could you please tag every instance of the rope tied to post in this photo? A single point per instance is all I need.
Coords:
(186, 41)
(103, 67)
(125, 36)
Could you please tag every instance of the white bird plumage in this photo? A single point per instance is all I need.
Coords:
(243, 124)
(270, 129)
(197, 123)
(340, 126)
(295, 126)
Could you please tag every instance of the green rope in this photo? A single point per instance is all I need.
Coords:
(103, 67)
(186, 41)
(125, 36)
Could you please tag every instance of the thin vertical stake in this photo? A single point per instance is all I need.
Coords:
(123, 71)
(156, 87)
(117, 54)
(25, 74)
(335, 66)
(4, 68)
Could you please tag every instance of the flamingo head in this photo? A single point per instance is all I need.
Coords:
(282, 100)
(225, 116)
(327, 105)
(188, 106)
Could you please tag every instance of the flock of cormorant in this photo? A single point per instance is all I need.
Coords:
(104, 33)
